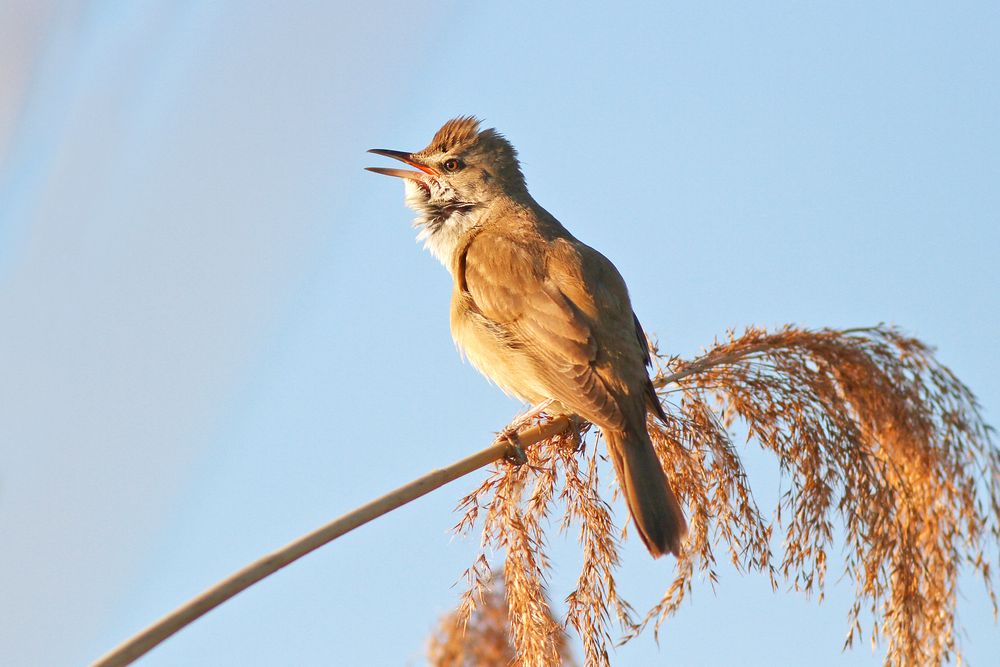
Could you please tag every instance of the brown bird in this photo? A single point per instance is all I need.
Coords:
(540, 313)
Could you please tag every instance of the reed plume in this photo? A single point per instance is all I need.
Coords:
(880, 446)
(482, 636)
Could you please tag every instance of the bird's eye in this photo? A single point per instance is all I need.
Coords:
(451, 164)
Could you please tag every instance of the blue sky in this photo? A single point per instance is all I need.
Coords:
(219, 332)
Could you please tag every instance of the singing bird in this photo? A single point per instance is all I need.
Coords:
(543, 315)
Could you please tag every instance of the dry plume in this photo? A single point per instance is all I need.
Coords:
(878, 444)
(483, 639)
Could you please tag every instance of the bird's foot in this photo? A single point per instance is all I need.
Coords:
(574, 432)
(515, 453)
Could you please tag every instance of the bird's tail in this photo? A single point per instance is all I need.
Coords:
(651, 501)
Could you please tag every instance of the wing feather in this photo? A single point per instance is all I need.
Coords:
(551, 310)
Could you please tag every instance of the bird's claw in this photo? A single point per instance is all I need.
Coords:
(515, 453)
(573, 434)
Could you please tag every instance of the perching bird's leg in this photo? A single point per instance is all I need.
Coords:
(511, 431)
(515, 454)
(574, 432)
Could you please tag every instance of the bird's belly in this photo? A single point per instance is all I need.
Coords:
(507, 365)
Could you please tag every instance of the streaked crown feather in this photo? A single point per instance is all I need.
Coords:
(456, 132)
(463, 134)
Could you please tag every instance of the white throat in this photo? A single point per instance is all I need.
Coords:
(439, 226)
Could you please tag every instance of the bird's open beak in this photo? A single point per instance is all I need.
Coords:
(402, 173)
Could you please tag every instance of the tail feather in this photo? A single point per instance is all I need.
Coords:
(651, 501)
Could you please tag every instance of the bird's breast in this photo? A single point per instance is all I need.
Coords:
(492, 350)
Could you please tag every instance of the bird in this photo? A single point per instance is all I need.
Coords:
(544, 316)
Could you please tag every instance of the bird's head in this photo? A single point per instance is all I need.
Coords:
(463, 167)
(454, 179)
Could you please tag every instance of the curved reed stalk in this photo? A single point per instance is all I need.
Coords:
(141, 643)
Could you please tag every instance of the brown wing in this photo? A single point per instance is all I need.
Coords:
(653, 401)
(569, 320)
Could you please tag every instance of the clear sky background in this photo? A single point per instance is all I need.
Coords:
(218, 332)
